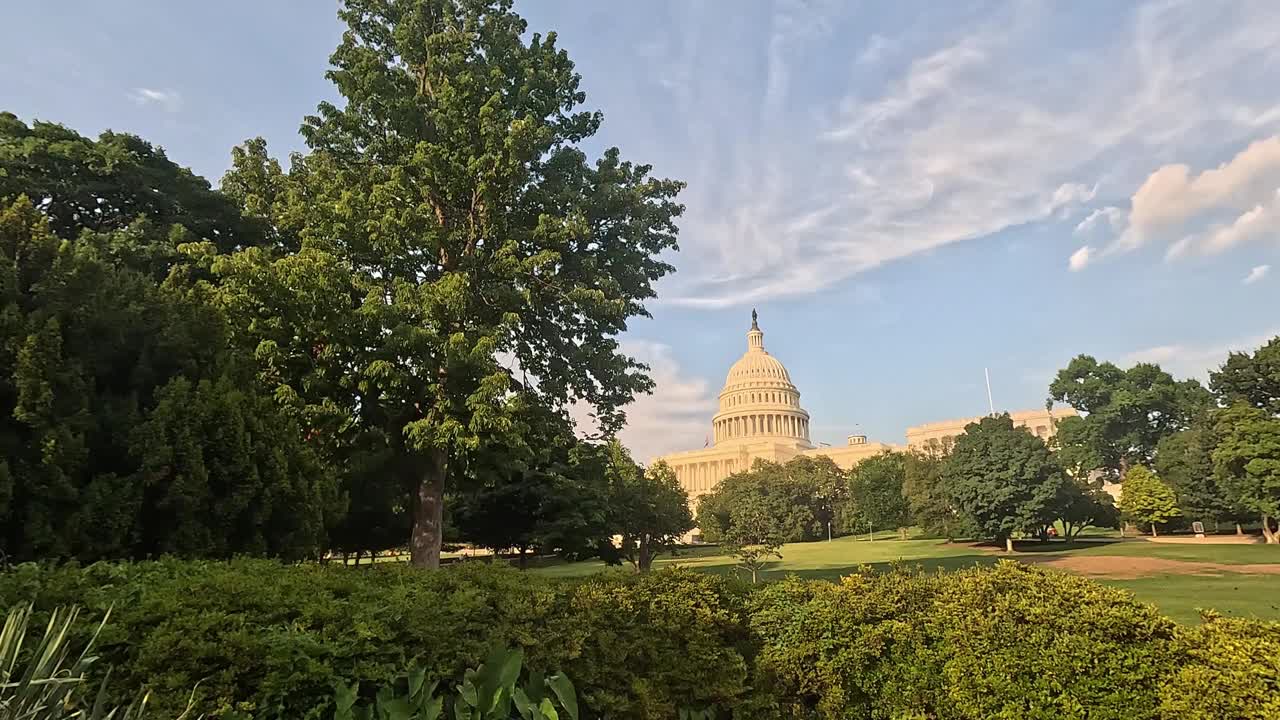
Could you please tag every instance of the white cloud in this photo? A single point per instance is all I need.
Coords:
(1080, 258)
(676, 416)
(1256, 274)
(1196, 359)
(168, 100)
(958, 134)
(1114, 218)
(1171, 197)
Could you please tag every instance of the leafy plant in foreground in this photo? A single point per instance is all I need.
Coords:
(51, 685)
(490, 692)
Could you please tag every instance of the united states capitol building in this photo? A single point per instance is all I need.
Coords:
(761, 418)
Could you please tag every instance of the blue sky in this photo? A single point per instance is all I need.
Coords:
(908, 192)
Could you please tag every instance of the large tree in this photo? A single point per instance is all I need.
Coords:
(931, 504)
(801, 497)
(1184, 461)
(1246, 462)
(1250, 378)
(876, 498)
(1126, 413)
(456, 246)
(129, 427)
(648, 510)
(113, 182)
(1005, 478)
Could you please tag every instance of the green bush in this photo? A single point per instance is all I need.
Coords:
(272, 641)
(1233, 671)
(1009, 642)
(1014, 641)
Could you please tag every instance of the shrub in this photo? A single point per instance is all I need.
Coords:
(1233, 671)
(1013, 641)
(271, 641)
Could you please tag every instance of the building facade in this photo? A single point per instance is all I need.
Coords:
(760, 418)
(1041, 423)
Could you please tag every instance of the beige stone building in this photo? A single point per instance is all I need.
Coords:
(760, 418)
(1041, 423)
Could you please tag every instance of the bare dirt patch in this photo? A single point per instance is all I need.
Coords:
(1130, 568)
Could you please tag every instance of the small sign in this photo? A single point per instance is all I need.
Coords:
(1197, 527)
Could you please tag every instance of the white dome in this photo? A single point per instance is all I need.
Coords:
(758, 400)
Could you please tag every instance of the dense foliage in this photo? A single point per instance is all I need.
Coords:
(792, 502)
(456, 248)
(1005, 478)
(273, 641)
(1146, 499)
(647, 508)
(1127, 412)
(129, 425)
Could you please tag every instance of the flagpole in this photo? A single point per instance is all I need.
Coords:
(990, 404)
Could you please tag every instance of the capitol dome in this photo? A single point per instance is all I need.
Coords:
(758, 400)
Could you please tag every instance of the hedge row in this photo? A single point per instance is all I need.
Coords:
(270, 641)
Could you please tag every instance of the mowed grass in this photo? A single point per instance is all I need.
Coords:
(1178, 595)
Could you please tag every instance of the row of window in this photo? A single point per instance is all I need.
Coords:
(701, 477)
(763, 397)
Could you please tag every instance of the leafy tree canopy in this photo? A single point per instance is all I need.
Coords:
(1126, 412)
(1146, 499)
(1250, 378)
(1004, 477)
(1246, 462)
(456, 246)
(648, 508)
(876, 494)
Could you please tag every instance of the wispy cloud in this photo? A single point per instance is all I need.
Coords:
(167, 100)
(1196, 360)
(1256, 274)
(1080, 258)
(957, 135)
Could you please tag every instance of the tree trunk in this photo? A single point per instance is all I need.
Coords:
(1271, 537)
(1239, 530)
(755, 574)
(428, 513)
(1153, 531)
(524, 559)
(644, 559)
(1008, 544)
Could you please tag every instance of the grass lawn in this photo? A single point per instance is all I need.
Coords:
(1172, 587)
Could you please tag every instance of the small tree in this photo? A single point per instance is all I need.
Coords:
(1005, 478)
(752, 537)
(648, 509)
(1084, 506)
(1144, 498)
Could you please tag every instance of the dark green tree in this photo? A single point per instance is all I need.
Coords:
(876, 497)
(1005, 478)
(752, 535)
(931, 506)
(129, 427)
(1184, 461)
(456, 246)
(1126, 413)
(800, 496)
(546, 492)
(113, 182)
(1246, 462)
(1250, 378)
(1083, 506)
(648, 510)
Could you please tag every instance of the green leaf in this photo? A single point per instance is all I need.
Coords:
(565, 693)
(548, 710)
